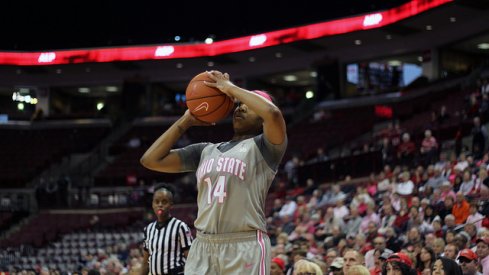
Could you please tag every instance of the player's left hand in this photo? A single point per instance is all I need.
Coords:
(222, 82)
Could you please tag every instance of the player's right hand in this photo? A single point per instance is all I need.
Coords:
(193, 121)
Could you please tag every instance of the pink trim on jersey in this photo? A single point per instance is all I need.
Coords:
(262, 247)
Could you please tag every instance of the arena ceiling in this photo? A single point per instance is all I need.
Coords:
(49, 25)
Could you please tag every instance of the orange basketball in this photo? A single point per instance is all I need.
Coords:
(207, 103)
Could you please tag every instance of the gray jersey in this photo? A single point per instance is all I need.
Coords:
(233, 179)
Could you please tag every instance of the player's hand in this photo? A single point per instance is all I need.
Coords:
(190, 120)
(222, 82)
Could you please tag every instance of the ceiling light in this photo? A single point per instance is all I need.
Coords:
(58, 71)
(278, 55)
(111, 89)
(252, 59)
(429, 27)
(483, 46)
(100, 105)
(453, 19)
(394, 63)
(179, 65)
(84, 90)
(358, 42)
(210, 64)
(290, 78)
(309, 94)
(177, 38)
(209, 40)
(313, 74)
(388, 37)
(420, 58)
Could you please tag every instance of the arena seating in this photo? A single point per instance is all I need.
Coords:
(28, 150)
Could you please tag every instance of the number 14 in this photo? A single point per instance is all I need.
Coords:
(219, 189)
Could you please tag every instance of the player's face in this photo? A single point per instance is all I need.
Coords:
(162, 202)
(246, 121)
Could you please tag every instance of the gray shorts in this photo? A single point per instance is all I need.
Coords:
(231, 253)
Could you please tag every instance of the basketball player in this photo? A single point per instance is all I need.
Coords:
(233, 179)
(166, 240)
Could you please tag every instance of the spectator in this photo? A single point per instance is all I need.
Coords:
(474, 216)
(479, 138)
(406, 186)
(437, 179)
(336, 266)
(446, 266)
(468, 262)
(320, 156)
(331, 255)
(291, 168)
(330, 197)
(379, 259)
(306, 267)
(451, 251)
(352, 257)
(289, 208)
(425, 259)
(443, 115)
(406, 151)
(358, 270)
(371, 216)
(483, 254)
(460, 209)
(340, 210)
(379, 245)
(277, 267)
(438, 246)
(429, 148)
(354, 220)
(467, 183)
(461, 240)
(399, 263)
(447, 196)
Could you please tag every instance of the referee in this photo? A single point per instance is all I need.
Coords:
(166, 240)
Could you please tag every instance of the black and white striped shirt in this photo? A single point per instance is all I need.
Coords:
(165, 244)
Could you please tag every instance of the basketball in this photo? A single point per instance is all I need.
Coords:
(206, 103)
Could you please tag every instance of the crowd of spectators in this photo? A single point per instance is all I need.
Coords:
(429, 207)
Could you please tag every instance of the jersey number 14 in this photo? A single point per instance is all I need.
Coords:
(218, 191)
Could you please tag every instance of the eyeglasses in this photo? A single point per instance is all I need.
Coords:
(464, 260)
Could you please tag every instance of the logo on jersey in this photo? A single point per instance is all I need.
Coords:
(203, 105)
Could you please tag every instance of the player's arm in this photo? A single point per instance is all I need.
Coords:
(145, 264)
(274, 127)
(160, 156)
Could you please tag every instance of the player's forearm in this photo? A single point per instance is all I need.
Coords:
(264, 108)
(160, 149)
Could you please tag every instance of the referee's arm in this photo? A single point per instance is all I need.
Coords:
(145, 264)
